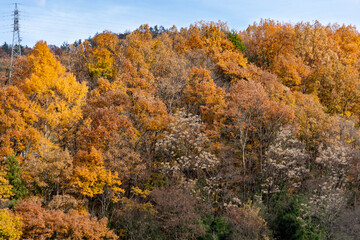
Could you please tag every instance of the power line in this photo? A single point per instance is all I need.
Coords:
(56, 24)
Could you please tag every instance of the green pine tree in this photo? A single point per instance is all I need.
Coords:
(13, 176)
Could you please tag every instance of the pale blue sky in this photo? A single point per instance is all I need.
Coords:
(58, 21)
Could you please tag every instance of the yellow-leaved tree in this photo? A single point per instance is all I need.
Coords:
(58, 100)
(102, 55)
(56, 94)
(5, 187)
(10, 225)
(91, 177)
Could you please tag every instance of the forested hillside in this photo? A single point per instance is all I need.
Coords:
(193, 133)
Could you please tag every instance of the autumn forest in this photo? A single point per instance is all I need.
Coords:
(200, 133)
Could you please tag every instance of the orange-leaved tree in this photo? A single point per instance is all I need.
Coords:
(106, 116)
(17, 118)
(203, 97)
(42, 223)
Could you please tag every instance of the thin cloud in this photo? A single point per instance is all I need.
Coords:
(41, 3)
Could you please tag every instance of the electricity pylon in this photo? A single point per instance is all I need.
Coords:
(16, 47)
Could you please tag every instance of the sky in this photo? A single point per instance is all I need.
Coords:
(59, 21)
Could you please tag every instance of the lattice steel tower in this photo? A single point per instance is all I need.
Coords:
(16, 47)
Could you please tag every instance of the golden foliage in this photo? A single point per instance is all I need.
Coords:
(101, 61)
(10, 225)
(56, 95)
(90, 176)
(5, 187)
(50, 169)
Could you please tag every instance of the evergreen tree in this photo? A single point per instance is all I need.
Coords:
(13, 175)
(236, 40)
